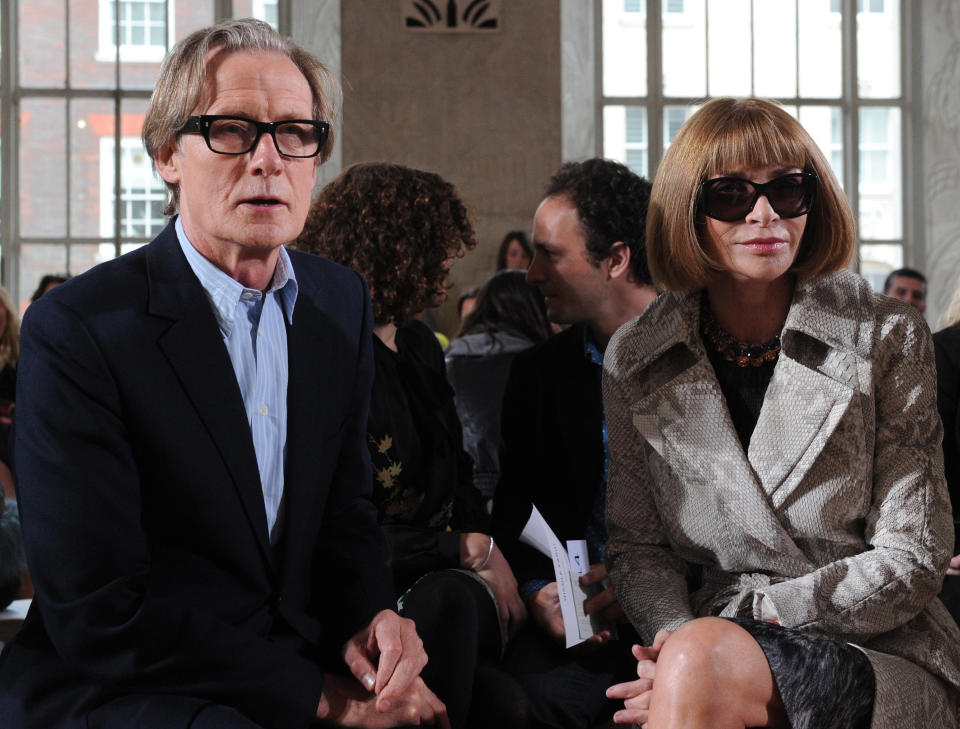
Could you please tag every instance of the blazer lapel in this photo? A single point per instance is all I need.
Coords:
(305, 408)
(194, 347)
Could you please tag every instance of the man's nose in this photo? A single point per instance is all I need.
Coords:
(265, 158)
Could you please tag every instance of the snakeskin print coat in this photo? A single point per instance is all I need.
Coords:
(836, 519)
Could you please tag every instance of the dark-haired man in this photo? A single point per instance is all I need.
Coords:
(590, 263)
(190, 444)
(908, 285)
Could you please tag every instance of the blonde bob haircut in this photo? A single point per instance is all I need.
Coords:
(183, 82)
(724, 136)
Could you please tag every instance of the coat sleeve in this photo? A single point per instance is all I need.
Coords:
(908, 527)
(90, 558)
(649, 579)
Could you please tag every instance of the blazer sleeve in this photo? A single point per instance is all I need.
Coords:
(908, 528)
(80, 499)
(649, 579)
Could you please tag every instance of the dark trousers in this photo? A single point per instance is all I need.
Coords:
(457, 620)
(566, 688)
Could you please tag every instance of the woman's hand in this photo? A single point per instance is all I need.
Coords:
(954, 568)
(496, 572)
(636, 695)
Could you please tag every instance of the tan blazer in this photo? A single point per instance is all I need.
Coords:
(837, 518)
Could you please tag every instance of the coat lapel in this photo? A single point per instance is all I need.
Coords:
(194, 347)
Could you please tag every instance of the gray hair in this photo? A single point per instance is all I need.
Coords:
(183, 75)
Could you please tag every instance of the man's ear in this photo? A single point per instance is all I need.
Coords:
(619, 260)
(167, 163)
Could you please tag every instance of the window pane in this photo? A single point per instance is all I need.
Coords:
(685, 50)
(42, 32)
(877, 261)
(673, 119)
(84, 257)
(881, 176)
(878, 50)
(729, 31)
(90, 121)
(625, 136)
(821, 71)
(624, 50)
(92, 45)
(775, 48)
(142, 193)
(36, 261)
(43, 188)
(825, 125)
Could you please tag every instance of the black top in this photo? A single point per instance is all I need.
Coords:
(422, 478)
(743, 388)
(946, 345)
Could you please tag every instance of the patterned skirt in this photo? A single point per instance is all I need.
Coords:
(824, 683)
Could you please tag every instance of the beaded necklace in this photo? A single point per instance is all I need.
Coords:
(743, 354)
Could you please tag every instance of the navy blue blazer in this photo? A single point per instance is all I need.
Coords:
(142, 510)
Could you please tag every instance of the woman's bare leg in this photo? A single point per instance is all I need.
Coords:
(712, 674)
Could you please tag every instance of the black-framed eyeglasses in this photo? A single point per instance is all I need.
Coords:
(732, 198)
(238, 135)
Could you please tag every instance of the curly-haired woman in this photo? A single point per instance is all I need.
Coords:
(401, 229)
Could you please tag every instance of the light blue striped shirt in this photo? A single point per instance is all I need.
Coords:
(256, 339)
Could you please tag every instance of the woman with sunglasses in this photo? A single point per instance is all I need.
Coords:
(778, 520)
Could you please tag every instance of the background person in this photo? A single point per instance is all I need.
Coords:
(590, 264)
(514, 252)
(401, 229)
(907, 285)
(510, 316)
(775, 455)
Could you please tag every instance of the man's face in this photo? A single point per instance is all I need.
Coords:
(572, 283)
(257, 200)
(911, 290)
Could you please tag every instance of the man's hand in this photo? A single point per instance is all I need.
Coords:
(603, 604)
(545, 610)
(954, 568)
(386, 657)
(636, 695)
(474, 548)
(345, 703)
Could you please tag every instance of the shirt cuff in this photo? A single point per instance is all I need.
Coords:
(528, 588)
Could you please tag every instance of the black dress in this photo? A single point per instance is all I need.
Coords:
(823, 682)
(424, 492)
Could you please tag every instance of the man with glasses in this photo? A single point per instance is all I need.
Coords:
(193, 475)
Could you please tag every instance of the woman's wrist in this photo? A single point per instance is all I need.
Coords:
(476, 549)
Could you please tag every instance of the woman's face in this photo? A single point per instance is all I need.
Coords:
(517, 257)
(762, 246)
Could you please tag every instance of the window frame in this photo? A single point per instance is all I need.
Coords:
(911, 240)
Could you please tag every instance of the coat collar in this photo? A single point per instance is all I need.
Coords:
(680, 410)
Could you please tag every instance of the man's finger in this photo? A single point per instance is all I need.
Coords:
(360, 666)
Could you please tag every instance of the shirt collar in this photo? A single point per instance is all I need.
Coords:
(224, 293)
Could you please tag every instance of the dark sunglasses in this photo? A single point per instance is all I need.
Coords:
(732, 198)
